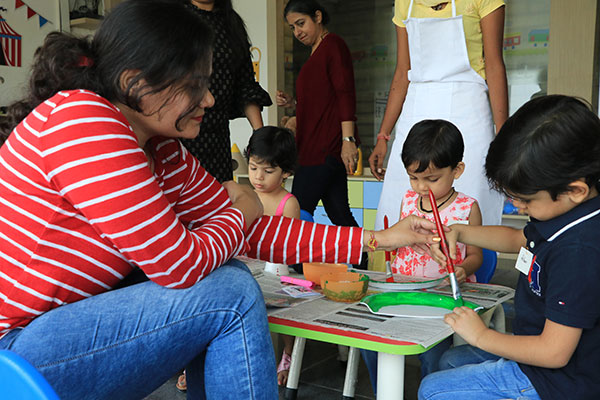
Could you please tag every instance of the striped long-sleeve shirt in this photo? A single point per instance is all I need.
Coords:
(79, 208)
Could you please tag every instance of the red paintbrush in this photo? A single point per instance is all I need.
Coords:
(389, 277)
(449, 264)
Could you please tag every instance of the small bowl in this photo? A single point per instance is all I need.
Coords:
(345, 286)
(314, 271)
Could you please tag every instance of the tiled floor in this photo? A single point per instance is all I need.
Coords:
(322, 375)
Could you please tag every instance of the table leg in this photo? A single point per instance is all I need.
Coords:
(351, 373)
(390, 376)
(291, 388)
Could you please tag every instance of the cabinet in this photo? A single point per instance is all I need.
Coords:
(85, 23)
(91, 24)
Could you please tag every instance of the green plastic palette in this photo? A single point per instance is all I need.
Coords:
(413, 304)
(403, 282)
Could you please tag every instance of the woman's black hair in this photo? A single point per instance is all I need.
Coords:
(433, 141)
(550, 142)
(163, 41)
(306, 7)
(275, 146)
(236, 30)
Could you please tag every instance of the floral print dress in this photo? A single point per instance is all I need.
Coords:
(408, 261)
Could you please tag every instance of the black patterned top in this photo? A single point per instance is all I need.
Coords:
(233, 88)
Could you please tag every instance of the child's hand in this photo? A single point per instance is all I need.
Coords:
(466, 323)
(245, 200)
(451, 238)
(435, 251)
(409, 231)
(421, 248)
(461, 274)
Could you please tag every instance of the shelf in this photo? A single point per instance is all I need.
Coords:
(520, 217)
(365, 177)
(508, 256)
(86, 23)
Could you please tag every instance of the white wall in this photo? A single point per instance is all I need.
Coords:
(32, 36)
(256, 14)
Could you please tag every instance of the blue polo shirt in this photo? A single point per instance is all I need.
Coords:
(563, 286)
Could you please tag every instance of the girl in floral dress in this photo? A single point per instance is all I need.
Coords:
(432, 155)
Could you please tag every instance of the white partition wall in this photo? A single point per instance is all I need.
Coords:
(263, 19)
(23, 26)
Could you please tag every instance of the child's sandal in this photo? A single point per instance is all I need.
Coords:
(181, 384)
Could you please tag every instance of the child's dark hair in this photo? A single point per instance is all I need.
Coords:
(433, 141)
(275, 146)
(550, 142)
(306, 7)
(163, 40)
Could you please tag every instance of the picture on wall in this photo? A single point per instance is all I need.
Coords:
(10, 43)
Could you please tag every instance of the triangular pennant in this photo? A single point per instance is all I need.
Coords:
(19, 4)
(30, 13)
(43, 21)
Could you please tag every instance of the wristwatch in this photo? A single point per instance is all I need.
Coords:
(349, 139)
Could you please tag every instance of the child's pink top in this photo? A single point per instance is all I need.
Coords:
(408, 261)
(281, 206)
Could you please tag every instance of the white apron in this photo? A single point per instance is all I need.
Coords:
(443, 86)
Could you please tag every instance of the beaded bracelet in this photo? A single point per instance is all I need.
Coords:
(384, 137)
(372, 242)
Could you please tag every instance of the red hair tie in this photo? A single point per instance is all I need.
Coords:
(85, 62)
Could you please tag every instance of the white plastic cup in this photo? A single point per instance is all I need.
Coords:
(277, 269)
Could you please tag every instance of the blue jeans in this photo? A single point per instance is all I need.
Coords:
(125, 343)
(477, 375)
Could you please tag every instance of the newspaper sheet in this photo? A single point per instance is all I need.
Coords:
(357, 318)
(351, 317)
(484, 294)
(271, 286)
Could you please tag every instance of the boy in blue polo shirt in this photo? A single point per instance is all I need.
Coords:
(546, 158)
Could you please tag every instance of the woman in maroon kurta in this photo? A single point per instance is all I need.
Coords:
(325, 113)
(325, 128)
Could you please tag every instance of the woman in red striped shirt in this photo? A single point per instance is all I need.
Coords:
(94, 182)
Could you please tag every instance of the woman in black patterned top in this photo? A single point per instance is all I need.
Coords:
(234, 88)
(232, 83)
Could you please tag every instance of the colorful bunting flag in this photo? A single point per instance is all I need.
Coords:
(31, 12)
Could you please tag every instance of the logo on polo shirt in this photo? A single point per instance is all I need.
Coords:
(534, 278)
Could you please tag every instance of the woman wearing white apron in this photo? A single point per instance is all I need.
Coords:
(435, 79)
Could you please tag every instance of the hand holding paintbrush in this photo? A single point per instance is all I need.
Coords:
(444, 244)
(389, 277)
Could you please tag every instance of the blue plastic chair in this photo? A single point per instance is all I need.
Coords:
(20, 380)
(306, 216)
(488, 266)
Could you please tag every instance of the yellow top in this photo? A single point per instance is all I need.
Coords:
(471, 10)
